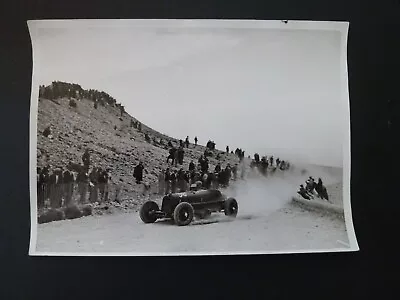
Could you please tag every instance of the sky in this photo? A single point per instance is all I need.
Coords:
(269, 91)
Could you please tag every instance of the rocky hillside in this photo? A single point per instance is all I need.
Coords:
(113, 142)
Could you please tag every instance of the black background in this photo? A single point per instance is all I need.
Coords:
(373, 67)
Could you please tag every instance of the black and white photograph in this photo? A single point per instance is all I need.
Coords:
(189, 137)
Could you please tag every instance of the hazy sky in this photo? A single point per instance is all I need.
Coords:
(265, 90)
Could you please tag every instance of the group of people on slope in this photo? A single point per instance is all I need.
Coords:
(313, 189)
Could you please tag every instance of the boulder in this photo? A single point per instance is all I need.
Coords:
(72, 212)
(87, 210)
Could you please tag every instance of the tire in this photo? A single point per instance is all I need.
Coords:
(183, 214)
(145, 210)
(231, 207)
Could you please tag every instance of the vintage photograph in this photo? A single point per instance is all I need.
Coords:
(189, 137)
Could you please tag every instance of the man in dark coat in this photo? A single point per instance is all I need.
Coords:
(138, 172)
(86, 159)
(221, 178)
(191, 166)
(201, 160)
(181, 180)
(68, 178)
(56, 188)
(211, 180)
(83, 181)
(181, 154)
(204, 166)
(227, 149)
(173, 182)
(226, 175)
(171, 155)
(321, 190)
(167, 178)
(263, 166)
(187, 142)
(52, 189)
(176, 157)
(195, 140)
(234, 171)
(93, 186)
(43, 186)
(102, 180)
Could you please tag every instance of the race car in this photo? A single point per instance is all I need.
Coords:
(182, 207)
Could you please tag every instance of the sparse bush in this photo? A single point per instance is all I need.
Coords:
(147, 137)
(47, 131)
(87, 210)
(51, 215)
(72, 103)
(72, 212)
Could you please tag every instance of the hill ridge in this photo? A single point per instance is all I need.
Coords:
(80, 119)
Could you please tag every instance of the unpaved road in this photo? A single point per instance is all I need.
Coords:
(289, 229)
(266, 222)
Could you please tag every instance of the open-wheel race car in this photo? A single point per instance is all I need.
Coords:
(183, 207)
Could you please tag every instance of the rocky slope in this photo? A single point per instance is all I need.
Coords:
(114, 144)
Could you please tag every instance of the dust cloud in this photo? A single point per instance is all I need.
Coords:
(258, 195)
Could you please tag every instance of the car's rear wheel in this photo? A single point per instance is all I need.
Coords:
(183, 214)
(231, 207)
(147, 212)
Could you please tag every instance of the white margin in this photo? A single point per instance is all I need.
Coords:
(33, 139)
(347, 138)
(342, 27)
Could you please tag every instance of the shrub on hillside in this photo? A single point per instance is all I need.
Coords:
(147, 137)
(72, 212)
(47, 131)
(51, 215)
(87, 210)
(72, 103)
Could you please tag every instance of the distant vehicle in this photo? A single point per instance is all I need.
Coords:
(182, 207)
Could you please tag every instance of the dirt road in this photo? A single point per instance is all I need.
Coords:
(288, 229)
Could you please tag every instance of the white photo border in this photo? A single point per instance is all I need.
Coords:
(342, 27)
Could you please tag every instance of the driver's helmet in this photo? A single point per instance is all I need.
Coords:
(196, 186)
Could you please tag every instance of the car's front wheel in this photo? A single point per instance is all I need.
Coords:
(183, 214)
(231, 207)
(147, 212)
